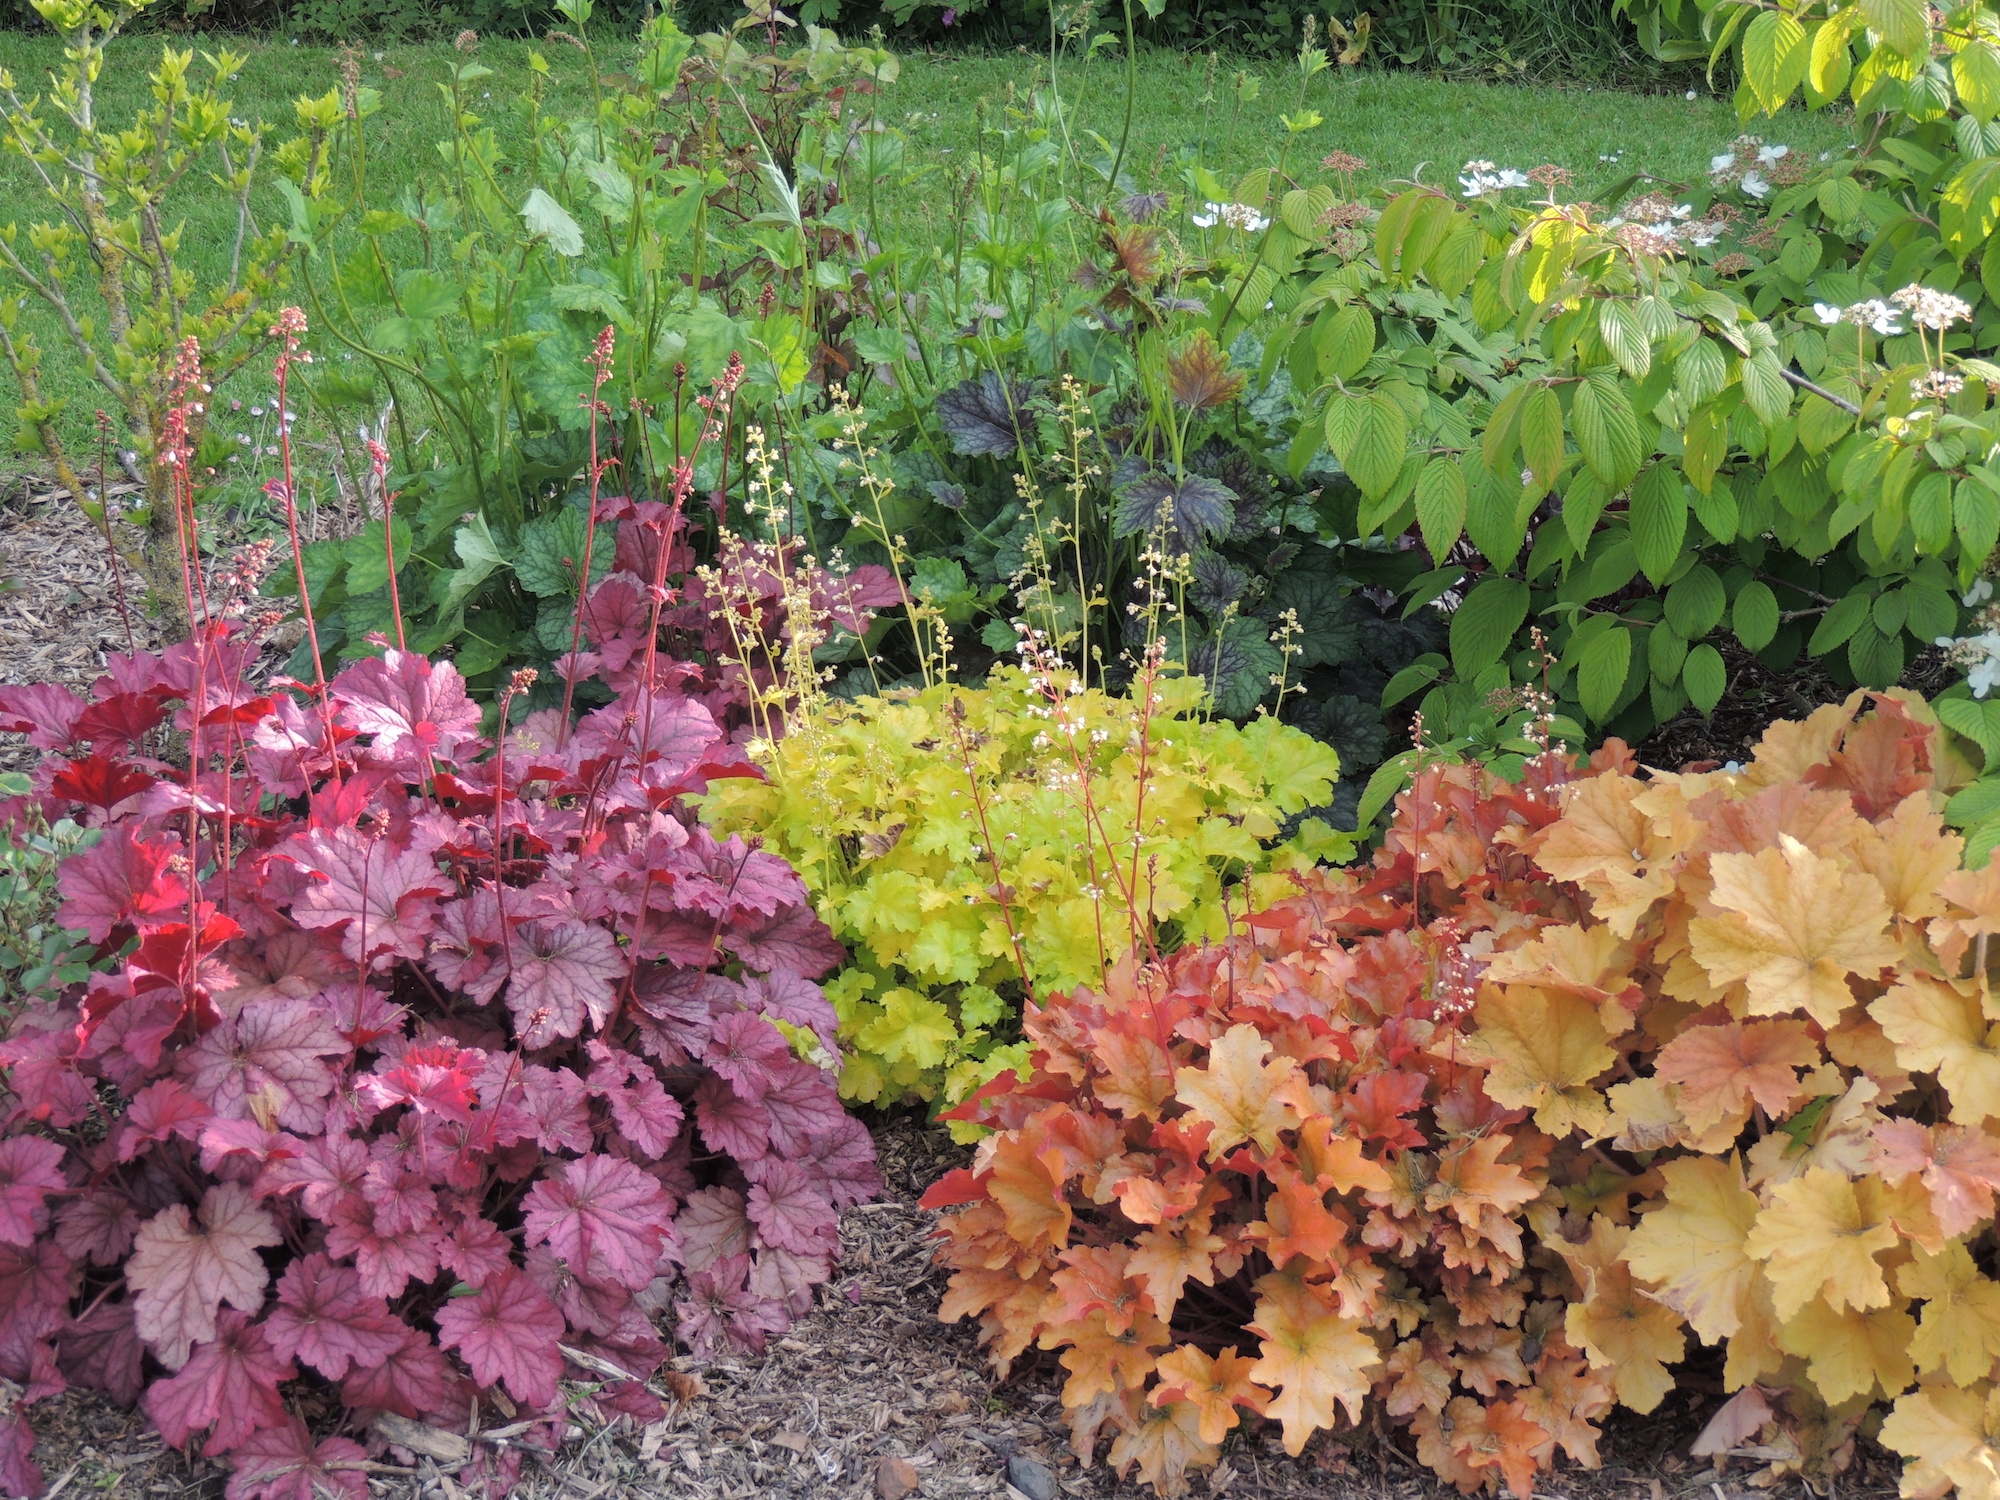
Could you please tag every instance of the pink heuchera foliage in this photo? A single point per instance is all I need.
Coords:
(410, 1062)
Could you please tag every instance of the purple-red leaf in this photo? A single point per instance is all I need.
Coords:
(411, 1379)
(101, 1350)
(30, 1169)
(120, 881)
(267, 1065)
(411, 706)
(789, 1210)
(604, 1216)
(230, 1383)
(383, 897)
(507, 1334)
(564, 973)
(325, 1319)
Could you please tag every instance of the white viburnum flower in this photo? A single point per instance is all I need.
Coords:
(1722, 161)
(1828, 313)
(1755, 185)
(1770, 156)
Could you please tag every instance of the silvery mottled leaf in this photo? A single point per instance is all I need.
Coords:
(950, 496)
(546, 217)
(1196, 507)
(1238, 665)
(1328, 632)
(987, 416)
(1218, 583)
(1141, 207)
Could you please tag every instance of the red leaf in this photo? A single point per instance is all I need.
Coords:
(384, 894)
(801, 1102)
(99, 782)
(604, 1216)
(283, 1463)
(325, 1319)
(184, 1267)
(43, 1074)
(508, 1334)
(101, 1350)
(30, 1169)
(564, 972)
(248, 711)
(231, 1383)
(730, 1123)
(36, 1283)
(267, 1064)
(431, 1077)
(122, 718)
(120, 881)
(788, 1208)
(412, 1379)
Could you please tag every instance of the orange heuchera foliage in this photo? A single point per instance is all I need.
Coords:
(1265, 1180)
(1479, 1137)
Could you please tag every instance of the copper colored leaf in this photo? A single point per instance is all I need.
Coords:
(1199, 377)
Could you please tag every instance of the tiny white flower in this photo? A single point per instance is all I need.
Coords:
(1755, 185)
(1691, 93)
(1513, 179)
(1722, 161)
(1772, 155)
(1978, 594)
(1827, 312)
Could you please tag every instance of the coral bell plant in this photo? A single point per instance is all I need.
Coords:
(420, 1068)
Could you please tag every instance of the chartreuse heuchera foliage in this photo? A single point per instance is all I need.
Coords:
(967, 842)
(1471, 1141)
(425, 1069)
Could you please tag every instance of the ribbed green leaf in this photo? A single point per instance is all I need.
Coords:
(1659, 521)
(1696, 601)
(1755, 615)
(1483, 625)
(1601, 672)
(1441, 505)
(1705, 677)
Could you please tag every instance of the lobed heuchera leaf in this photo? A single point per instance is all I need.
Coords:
(284, 1463)
(604, 1216)
(507, 1332)
(30, 1170)
(185, 1266)
(230, 1384)
(324, 1319)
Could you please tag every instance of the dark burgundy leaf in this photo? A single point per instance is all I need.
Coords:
(101, 1350)
(793, 939)
(97, 1227)
(284, 1463)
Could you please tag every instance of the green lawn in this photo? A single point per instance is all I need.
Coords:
(1404, 126)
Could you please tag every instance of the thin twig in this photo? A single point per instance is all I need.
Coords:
(1820, 391)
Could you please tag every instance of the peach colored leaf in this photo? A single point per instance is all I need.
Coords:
(1795, 927)
(1312, 1361)
(1241, 1095)
(1215, 1387)
(1722, 1070)
(183, 1267)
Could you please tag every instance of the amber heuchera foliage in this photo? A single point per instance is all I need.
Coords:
(1477, 1138)
(1791, 975)
(1263, 1178)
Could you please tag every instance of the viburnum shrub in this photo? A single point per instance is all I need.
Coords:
(974, 844)
(434, 1068)
(1261, 1178)
(1386, 1147)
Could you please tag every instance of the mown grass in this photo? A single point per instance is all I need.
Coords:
(1225, 115)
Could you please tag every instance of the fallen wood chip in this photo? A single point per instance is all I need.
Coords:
(420, 1437)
